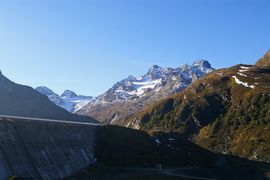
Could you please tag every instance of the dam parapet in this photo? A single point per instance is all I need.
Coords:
(44, 150)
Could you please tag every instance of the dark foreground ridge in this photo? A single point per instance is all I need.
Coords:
(128, 154)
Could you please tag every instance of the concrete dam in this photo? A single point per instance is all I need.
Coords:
(44, 149)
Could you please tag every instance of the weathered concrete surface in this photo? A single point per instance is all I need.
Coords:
(44, 150)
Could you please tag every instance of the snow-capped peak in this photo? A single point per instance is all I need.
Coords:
(196, 70)
(202, 63)
(68, 94)
(157, 72)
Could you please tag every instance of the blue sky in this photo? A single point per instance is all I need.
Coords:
(88, 45)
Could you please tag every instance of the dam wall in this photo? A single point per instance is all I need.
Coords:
(44, 150)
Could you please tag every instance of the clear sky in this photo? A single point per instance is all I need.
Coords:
(88, 45)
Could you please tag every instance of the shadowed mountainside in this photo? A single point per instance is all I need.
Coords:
(19, 100)
(124, 153)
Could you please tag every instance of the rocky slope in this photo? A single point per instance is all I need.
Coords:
(68, 100)
(19, 100)
(132, 94)
(227, 111)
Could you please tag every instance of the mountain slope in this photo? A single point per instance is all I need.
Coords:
(19, 100)
(68, 100)
(264, 61)
(132, 94)
(51, 95)
(226, 111)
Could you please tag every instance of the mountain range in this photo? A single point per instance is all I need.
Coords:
(226, 111)
(132, 94)
(68, 100)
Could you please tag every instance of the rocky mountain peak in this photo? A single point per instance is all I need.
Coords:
(155, 72)
(68, 94)
(265, 60)
(202, 63)
(131, 78)
(155, 67)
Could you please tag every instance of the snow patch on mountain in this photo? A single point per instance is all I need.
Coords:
(245, 67)
(68, 100)
(237, 81)
(144, 86)
(241, 74)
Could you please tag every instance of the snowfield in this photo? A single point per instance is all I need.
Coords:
(243, 83)
(143, 86)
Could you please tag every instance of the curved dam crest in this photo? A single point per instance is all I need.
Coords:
(44, 149)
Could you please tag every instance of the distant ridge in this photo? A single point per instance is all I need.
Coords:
(68, 100)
